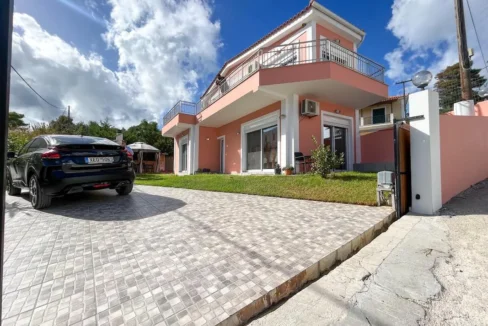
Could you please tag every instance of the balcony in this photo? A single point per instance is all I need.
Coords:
(376, 122)
(312, 67)
(179, 118)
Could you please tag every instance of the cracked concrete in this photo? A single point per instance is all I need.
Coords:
(423, 271)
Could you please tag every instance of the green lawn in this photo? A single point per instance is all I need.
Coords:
(346, 187)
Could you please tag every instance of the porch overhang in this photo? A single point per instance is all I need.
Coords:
(178, 124)
(326, 81)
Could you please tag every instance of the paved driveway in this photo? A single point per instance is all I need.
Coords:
(162, 256)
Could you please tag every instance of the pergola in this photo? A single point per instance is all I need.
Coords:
(142, 148)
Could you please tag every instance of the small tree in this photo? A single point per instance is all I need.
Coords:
(448, 85)
(324, 160)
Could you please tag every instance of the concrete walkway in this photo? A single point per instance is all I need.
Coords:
(423, 270)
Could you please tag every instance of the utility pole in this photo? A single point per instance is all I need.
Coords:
(464, 61)
(69, 113)
(6, 18)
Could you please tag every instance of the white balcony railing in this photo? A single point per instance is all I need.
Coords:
(286, 55)
(377, 120)
(180, 107)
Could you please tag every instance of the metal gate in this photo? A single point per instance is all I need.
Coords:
(403, 191)
(403, 182)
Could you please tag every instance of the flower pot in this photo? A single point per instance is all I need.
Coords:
(288, 172)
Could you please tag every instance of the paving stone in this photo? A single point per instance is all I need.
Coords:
(162, 256)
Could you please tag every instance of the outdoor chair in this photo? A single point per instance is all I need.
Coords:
(300, 162)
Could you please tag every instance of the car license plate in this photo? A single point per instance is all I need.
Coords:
(99, 160)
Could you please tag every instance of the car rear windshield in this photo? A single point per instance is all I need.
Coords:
(70, 140)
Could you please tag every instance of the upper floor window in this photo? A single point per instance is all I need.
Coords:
(379, 115)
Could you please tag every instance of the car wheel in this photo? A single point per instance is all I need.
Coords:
(36, 194)
(11, 190)
(125, 190)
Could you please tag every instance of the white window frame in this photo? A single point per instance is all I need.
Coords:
(342, 121)
(183, 140)
(263, 122)
(222, 166)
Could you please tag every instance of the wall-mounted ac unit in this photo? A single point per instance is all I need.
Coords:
(310, 108)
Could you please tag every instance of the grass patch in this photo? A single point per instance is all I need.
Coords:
(344, 187)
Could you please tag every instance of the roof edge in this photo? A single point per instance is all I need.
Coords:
(338, 19)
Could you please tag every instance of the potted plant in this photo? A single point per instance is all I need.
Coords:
(277, 169)
(288, 170)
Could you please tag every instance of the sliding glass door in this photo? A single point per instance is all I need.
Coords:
(336, 138)
(184, 157)
(262, 148)
(254, 150)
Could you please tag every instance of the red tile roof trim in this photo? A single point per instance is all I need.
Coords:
(389, 99)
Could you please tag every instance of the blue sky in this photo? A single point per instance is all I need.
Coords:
(128, 54)
(242, 23)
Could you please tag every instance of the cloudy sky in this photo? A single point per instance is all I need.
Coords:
(130, 60)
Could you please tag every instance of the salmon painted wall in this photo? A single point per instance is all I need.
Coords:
(377, 147)
(481, 109)
(208, 149)
(309, 127)
(232, 133)
(322, 31)
(176, 150)
(464, 153)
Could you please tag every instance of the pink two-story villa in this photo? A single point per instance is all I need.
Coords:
(303, 79)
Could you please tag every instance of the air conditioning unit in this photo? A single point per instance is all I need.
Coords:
(310, 108)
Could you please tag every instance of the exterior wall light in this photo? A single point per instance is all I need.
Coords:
(422, 79)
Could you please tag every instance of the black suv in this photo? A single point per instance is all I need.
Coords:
(56, 165)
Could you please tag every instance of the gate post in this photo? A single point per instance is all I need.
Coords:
(425, 153)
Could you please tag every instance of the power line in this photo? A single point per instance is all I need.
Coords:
(476, 33)
(25, 81)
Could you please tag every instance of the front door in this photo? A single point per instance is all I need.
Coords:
(222, 154)
(336, 138)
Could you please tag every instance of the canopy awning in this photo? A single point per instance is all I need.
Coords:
(143, 147)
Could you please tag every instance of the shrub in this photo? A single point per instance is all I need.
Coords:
(324, 161)
(17, 138)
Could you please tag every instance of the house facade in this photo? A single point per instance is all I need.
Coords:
(380, 115)
(376, 134)
(305, 79)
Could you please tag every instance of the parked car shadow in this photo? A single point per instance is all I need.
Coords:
(106, 205)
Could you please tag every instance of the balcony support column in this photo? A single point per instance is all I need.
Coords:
(289, 132)
(193, 139)
(357, 121)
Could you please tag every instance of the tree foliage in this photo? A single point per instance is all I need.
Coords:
(16, 120)
(448, 85)
(147, 132)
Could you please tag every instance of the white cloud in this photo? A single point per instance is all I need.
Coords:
(166, 49)
(426, 33)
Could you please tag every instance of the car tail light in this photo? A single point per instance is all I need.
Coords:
(129, 154)
(51, 155)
